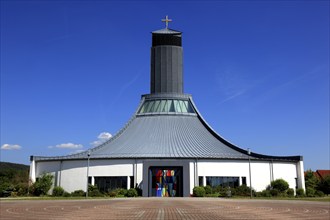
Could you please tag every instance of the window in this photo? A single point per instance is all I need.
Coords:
(200, 181)
(132, 182)
(166, 105)
(222, 181)
(107, 183)
(243, 180)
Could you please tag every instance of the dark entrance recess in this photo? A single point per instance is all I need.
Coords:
(165, 182)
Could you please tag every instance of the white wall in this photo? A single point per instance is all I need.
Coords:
(72, 174)
(286, 171)
(261, 171)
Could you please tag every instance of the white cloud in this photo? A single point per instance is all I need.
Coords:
(10, 147)
(67, 146)
(103, 137)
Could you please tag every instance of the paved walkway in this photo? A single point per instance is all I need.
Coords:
(163, 208)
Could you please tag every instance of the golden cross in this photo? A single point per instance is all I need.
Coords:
(166, 20)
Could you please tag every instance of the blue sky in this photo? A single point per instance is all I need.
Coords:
(72, 72)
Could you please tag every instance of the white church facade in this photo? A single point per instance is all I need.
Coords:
(167, 148)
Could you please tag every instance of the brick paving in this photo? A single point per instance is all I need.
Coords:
(163, 208)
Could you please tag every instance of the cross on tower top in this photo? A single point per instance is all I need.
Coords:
(166, 20)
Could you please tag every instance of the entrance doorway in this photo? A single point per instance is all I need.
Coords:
(165, 181)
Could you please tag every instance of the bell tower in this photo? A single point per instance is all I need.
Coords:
(166, 61)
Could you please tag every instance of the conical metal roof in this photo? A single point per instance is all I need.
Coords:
(162, 134)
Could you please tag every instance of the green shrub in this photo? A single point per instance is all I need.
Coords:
(208, 189)
(290, 192)
(43, 185)
(93, 191)
(310, 192)
(122, 192)
(199, 191)
(319, 193)
(58, 191)
(300, 192)
(66, 194)
(112, 193)
(274, 192)
(78, 193)
(242, 190)
(265, 193)
(132, 193)
(280, 185)
(13, 194)
(22, 189)
(221, 191)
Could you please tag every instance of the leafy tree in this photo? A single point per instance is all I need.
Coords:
(43, 185)
(324, 185)
(280, 185)
(13, 178)
(310, 192)
(311, 181)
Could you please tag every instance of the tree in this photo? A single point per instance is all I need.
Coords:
(43, 185)
(311, 181)
(324, 185)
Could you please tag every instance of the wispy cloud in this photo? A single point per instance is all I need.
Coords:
(233, 83)
(103, 137)
(67, 146)
(11, 147)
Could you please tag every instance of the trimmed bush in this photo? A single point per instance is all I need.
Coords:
(132, 193)
(265, 193)
(300, 192)
(199, 191)
(112, 193)
(242, 190)
(274, 192)
(208, 190)
(280, 185)
(93, 191)
(290, 192)
(78, 193)
(122, 192)
(66, 194)
(58, 191)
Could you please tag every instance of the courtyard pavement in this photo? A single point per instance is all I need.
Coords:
(164, 208)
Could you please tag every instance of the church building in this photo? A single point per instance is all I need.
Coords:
(167, 147)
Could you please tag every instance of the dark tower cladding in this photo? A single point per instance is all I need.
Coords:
(166, 61)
